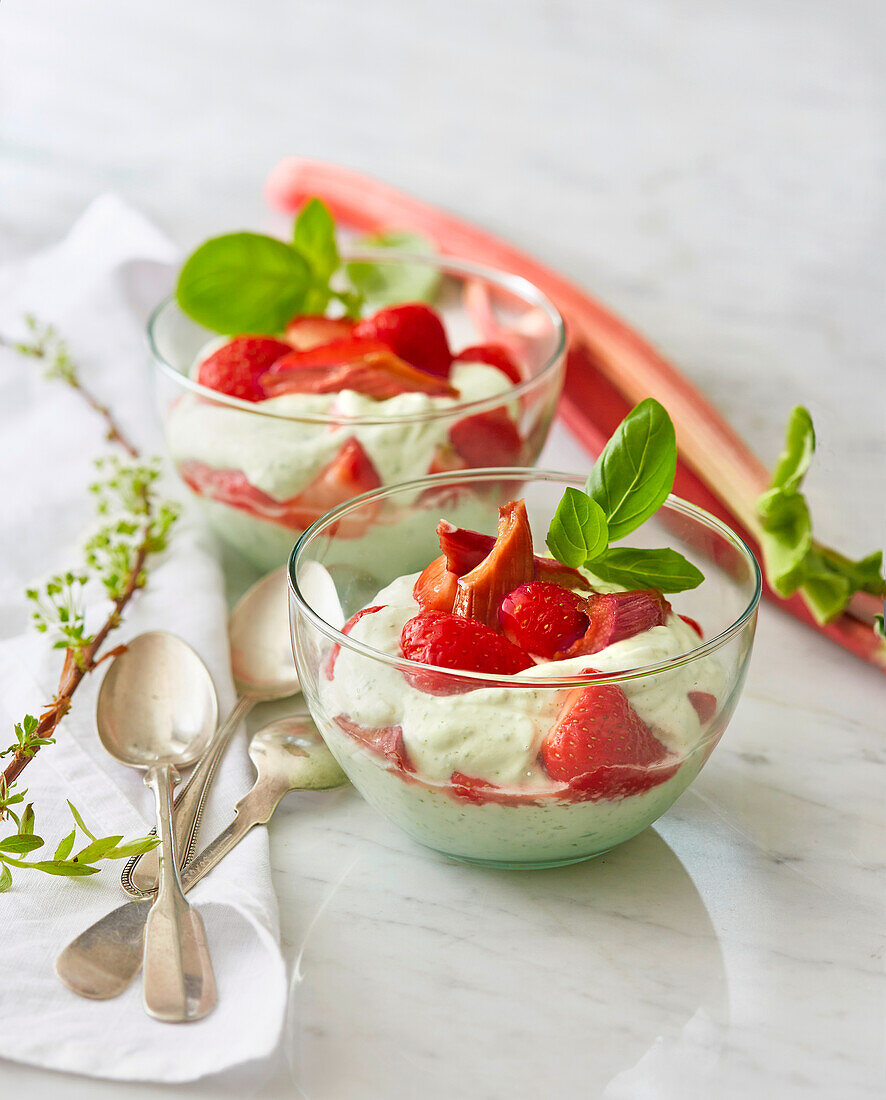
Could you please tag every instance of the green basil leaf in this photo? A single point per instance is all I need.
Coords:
(799, 447)
(578, 531)
(243, 282)
(97, 849)
(64, 867)
(635, 471)
(21, 843)
(133, 848)
(666, 570)
(314, 238)
(385, 284)
(79, 819)
(5, 878)
(64, 846)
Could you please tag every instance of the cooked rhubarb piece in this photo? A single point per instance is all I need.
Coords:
(508, 564)
(307, 330)
(387, 741)
(618, 615)
(346, 629)
(374, 370)
(436, 587)
(236, 367)
(412, 331)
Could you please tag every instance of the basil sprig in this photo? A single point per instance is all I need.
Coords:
(252, 283)
(794, 562)
(628, 484)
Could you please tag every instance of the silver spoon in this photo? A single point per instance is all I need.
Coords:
(156, 711)
(289, 755)
(263, 668)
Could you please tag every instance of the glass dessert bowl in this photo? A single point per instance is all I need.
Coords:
(333, 412)
(542, 748)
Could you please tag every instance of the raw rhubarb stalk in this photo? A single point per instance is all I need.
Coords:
(717, 470)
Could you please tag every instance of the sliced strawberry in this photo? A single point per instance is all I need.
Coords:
(307, 330)
(487, 439)
(376, 372)
(618, 615)
(348, 475)
(346, 629)
(695, 626)
(601, 746)
(705, 705)
(543, 619)
(465, 549)
(494, 355)
(414, 332)
(450, 641)
(235, 368)
(508, 564)
(436, 587)
(386, 741)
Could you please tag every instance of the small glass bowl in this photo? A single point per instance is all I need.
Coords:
(249, 462)
(357, 707)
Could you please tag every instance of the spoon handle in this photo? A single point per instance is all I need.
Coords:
(179, 980)
(102, 961)
(139, 875)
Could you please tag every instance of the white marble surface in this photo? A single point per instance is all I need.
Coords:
(713, 170)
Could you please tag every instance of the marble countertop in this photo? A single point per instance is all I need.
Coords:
(713, 171)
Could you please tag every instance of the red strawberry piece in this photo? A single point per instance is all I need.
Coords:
(412, 331)
(544, 619)
(346, 629)
(375, 371)
(236, 367)
(487, 439)
(436, 587)
(618, 615)
(446, 459)
(508, 564)
(695, 626)
(601, 746)
(450, 641)
(705, 705)
(495, 355)
(307, 330)
(386, 741)
(465, 549)
(472, 789)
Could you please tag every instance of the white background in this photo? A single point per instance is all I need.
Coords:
(713, 170)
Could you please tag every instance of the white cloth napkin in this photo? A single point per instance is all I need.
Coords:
(97, 287)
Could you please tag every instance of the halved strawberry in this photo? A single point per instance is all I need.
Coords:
(705, 705)
(436, 587)
(487, 439)
(494, 355)
(414, 332)
(235, 368)
(508, 564)
(543, 619)
(377, 373)
(307, 330)
(387, 741)
(450, 641)
(618, 615)
(601, 746)
(346, 629)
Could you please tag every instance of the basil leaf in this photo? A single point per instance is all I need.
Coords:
(799, 447)
(21, 843)
(63, 867)
(384, 284)
(666, 570)
(314, 238)
(64, 847)
(5, 878)
(578, 531)
(243, 282)
(635, 471)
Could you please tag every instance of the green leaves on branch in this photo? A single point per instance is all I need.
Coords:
(24, 842)
(250, 282)
(794, 562)
(628, 484)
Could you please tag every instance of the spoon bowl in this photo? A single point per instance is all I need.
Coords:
(291, 753)
(261, 654)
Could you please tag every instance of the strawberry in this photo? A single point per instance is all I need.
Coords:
(387, 741)
(361, 365)
(618, 615)
(450, 641)
(695, 626)
(235, 368)
(348, 475)
(346, 629)
(436, 587)
(705, 705)
(308, 330)
(446, 460)
(601, 746)
(412, 331)
(508, 564)
(470, 788)
(495, 355)
(487, 439)
(544, 619)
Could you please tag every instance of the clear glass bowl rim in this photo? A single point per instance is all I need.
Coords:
(521, 474)
(515, 284)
